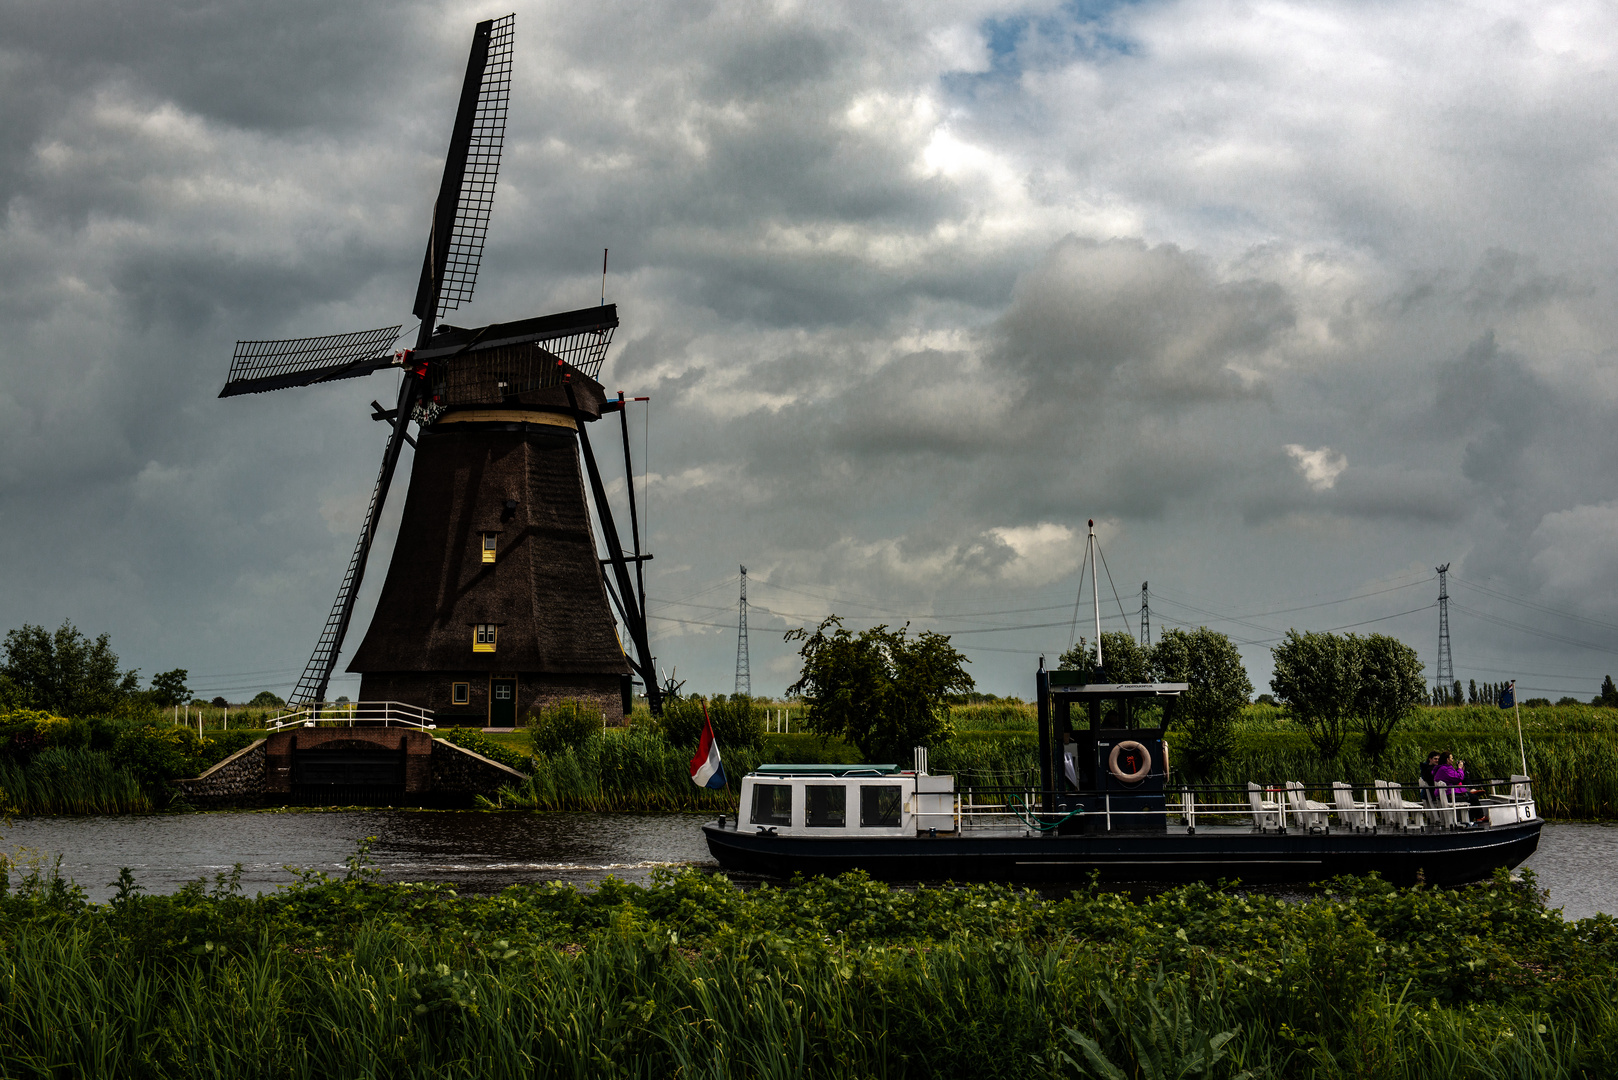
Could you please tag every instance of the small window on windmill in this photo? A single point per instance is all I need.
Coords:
(489, 540)
(483, 637)
(460, 693)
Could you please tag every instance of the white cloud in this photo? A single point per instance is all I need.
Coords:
(1321, 467)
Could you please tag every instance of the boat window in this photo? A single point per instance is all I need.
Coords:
(772, 804)
(880, 805)
(826, 807)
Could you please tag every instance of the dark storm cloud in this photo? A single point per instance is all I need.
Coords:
(916, 289)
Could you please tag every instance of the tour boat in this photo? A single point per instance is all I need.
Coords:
(1106, 804)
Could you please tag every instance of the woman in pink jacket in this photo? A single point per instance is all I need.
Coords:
(1452, 774)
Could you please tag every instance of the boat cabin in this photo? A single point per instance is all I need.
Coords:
(1103, 761)
(848, 801)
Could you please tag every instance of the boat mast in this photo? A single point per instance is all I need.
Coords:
(1095, 596)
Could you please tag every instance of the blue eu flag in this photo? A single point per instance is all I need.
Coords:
(1508, 696)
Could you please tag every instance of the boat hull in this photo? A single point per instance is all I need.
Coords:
(1449, 857)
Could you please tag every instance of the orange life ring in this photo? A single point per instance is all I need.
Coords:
(1139, 774)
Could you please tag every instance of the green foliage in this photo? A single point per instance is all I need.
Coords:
(1124, 659)
(1209, 662)
(1391, 686)
(476, 741)
(844, 977)
(882, 690)
(266, 700)
(1317, 676)
(65, 672)
(1609, 694)
(736, 720)
(169, 689)
(567, 723)
(1330, 681)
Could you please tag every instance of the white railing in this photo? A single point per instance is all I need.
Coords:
(356, 714)
(1382, 807)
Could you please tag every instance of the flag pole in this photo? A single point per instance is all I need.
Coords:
(1517, 710)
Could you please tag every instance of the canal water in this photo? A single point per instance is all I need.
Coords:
(484, 852)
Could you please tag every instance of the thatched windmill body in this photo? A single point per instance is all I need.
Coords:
(496, 600)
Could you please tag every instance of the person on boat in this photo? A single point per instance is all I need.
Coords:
(1452, 774)
(1428, 766)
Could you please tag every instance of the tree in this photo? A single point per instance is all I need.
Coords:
(1609, 694)
(1390, 687)
(65, 673)
(1218, 691)
(263, 700)
(1124, 660)
(1317, 677)
(882, 690)
(169, 689)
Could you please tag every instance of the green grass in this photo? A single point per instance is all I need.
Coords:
(691, 977)
(70, 780)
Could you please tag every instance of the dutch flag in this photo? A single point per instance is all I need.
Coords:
(706, 770)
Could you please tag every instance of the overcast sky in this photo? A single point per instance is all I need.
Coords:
(1297, 300)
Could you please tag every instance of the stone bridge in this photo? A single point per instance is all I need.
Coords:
(349, 766)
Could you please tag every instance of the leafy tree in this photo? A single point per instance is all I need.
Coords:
(1609, 694)
(1390, 687)
(169, 689)
(1207, 711)
(1317, 677)
(65, 673)
(1266, 699)
(882, 690)
(1124, 659)
(221, 703)
(263, 700)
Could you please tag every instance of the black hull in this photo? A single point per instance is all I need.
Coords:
(1449, 857)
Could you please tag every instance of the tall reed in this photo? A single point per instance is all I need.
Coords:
(70, 780)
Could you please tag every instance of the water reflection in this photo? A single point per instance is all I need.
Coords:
(484, 852)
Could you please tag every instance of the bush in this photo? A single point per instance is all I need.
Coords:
(736, 722)
(266, 700)
(567, 723)
(158, 754)
(474, 740)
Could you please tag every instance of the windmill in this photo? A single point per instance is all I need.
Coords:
(495, 599)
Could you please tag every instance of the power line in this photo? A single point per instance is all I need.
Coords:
(1535, 631)
(1536, 606)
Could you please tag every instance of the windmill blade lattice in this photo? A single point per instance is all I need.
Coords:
(311, 688)
(260, 366)
(482, 170)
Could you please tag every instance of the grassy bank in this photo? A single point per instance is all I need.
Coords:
(693, 978)
(1572, 753)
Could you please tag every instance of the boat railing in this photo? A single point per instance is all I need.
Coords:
(1282, 807)
(356, 714)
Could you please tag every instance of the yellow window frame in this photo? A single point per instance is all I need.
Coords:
(489, 541)
(485, 636)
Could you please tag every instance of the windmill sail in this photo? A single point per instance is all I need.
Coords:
(259, 366)
(311, 688)
(449, 272)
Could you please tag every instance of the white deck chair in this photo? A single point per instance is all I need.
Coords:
(1356, 815)
(1444, 799)
(1311, 814)
(1433, 801)
(1265, 814)
(1397, 811)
